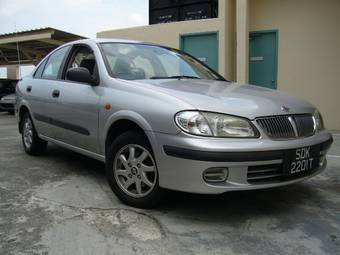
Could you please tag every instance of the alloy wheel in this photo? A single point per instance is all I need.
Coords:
(28, 133)
(135, 170)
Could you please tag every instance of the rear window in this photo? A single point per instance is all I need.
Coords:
(54, 62)
(40, 70)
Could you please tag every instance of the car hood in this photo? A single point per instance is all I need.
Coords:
(230, 98)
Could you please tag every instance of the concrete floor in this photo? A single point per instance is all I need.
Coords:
(60, 203)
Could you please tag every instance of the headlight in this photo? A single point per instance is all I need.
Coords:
(318, 121)
(215, 124)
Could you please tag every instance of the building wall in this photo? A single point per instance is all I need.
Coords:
(309, 49)
(169, 34)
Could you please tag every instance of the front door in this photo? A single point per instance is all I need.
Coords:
(76, 109)
(203, 47)
(263, 59)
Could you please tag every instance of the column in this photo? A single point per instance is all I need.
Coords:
(242, 41)
(13, 72)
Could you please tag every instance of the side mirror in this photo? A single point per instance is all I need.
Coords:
(80, 74)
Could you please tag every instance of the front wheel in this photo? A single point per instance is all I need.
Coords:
(132, 171)
(33, 145)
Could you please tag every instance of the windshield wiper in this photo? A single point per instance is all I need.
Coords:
(179, 77)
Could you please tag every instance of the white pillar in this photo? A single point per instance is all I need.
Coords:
(13, 72)
(242, 41)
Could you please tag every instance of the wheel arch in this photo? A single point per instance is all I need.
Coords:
(22, 110)
(123, 121)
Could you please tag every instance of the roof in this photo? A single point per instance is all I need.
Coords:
(113, 40)
(33, 44)
(106, 40)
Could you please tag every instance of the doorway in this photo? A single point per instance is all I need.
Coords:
(203, 46)
(263, 48)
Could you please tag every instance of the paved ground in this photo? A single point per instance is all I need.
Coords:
(61, 204)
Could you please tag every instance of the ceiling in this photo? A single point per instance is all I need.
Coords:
(33, 45)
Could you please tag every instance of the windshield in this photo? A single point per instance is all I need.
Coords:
(139, 62)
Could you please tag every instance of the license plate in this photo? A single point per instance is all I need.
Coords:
(301, 160)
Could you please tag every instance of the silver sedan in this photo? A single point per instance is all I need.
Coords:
(160, 119)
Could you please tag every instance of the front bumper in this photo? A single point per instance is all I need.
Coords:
(182, 159)
(7, 105)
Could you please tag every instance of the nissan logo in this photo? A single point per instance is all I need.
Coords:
(285, 108)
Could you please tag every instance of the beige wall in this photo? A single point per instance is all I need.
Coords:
(309, 45)
(169, 34)
(309, 49)
(13, 72)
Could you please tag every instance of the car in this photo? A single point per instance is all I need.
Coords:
(7, 95)
(162, 120)
(7, 103)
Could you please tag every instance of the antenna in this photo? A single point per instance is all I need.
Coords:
(18, 51)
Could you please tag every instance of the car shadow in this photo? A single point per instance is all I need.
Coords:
(241, 205)
(6, 113)
(229, 207)
(75, 162)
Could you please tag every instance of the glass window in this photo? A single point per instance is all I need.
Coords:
(83, 57)
(144, 65)
(139, 61)
(40, 70)
(54, 62)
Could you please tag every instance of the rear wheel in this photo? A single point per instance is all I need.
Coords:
(132, 171)
(33, 145)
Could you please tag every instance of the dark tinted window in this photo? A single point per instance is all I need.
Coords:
(40, 70)
(54, 63)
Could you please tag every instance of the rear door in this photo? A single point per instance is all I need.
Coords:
(76, 107)
(39, 91)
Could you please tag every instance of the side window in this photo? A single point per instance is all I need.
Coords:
(40, 70)
(83, 57)
(53, 64)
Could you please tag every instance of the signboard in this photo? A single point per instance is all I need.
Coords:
(165, 11)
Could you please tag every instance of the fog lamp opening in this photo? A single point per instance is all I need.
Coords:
(322, 161)
(215, 175)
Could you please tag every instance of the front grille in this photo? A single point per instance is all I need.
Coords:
(268, 174)
(265, 173)
(304, 125)
(287, 126)
(274, 173)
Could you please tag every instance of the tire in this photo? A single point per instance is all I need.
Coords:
(136, 182)
(32, 144)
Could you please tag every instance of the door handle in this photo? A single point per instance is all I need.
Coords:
(55, 93)
(29, 89)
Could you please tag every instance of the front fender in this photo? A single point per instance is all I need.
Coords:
(131, 116)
